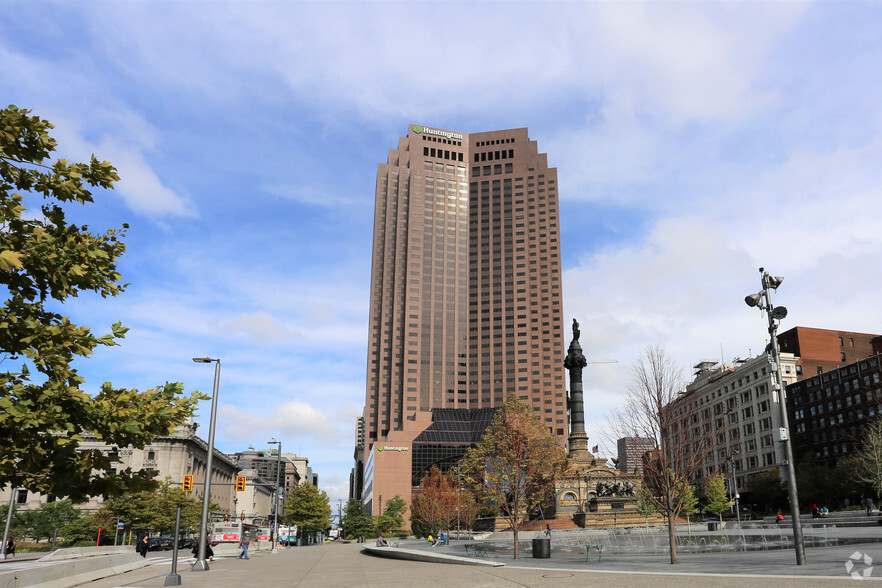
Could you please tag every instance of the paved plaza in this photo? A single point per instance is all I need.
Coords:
(349, 565)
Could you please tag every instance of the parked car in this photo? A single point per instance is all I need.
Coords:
(159, 544)
(187, 543)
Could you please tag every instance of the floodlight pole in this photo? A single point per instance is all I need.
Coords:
(201, 565)
(768, 285)
(275, 535)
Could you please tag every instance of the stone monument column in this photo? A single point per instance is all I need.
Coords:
(574, 362)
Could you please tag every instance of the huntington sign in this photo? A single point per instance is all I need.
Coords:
(428, 131)
(390, 448)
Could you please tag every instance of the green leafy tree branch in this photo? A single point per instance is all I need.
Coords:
(45, 261)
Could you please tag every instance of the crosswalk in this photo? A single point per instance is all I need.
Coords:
(158, 560)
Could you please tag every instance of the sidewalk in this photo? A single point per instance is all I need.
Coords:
(349, 565)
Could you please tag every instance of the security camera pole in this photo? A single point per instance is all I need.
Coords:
(763, 300)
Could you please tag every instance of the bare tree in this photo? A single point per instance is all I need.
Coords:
(868, 458)
(657, 408)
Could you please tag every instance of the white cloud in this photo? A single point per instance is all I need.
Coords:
(293, 418)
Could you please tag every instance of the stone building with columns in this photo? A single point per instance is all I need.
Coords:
(171, 456)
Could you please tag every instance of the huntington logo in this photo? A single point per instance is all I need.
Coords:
(428, 131)
(862, 560)
(390, 448)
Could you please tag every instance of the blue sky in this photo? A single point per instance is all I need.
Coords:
(695, 142)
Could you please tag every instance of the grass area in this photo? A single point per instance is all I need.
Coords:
(31, 547)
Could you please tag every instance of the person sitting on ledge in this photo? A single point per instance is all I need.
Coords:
(381, 542)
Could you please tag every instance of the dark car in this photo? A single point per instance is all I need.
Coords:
(187, 543)
(159, 544)
(155, 544)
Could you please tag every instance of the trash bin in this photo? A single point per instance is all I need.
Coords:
(541, 548)
(713, 525)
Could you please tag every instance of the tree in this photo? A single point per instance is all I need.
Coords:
(155, 510)
(45, 262)
(716, 500)
(646, 504)
(434, 504)
(655, 409)
(356, 521)
(51, 517)
(392, 518)
(308, 507)
(514, 466)
(766, 490)
(868, 459)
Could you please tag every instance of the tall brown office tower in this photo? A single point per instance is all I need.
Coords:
(465, 302)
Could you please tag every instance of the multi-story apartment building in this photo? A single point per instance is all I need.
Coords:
(738, 407)
(631, 451)
(828, 411)
(822, 350)
(465, 304)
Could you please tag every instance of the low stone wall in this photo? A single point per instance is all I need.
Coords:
(81, 552)
(71, 572)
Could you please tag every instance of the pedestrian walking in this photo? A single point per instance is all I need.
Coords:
(10, 547)
(141, 548)
(244, 543)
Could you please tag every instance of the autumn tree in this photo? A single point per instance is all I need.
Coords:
(45, 263)
(716, 500)
(514, 466)
(434, 503)
(655, 409)
(308, 507)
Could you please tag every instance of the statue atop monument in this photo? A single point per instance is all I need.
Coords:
(576, 331)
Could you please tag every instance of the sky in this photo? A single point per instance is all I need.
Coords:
(694, 142)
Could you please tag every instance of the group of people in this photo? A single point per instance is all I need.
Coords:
(819, 513)
(441, 539)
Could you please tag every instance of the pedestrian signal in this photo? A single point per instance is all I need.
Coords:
(226, 517)
(188, 484)
(240, 483)
(243, 516)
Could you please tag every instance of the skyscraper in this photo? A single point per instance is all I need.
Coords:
(465, 304)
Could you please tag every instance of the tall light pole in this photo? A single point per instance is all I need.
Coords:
(201, 565)
(734, 489)
(763, 301)
(276, 508)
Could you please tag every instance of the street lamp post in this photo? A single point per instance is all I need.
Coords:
(763, 301)
(276, 508)
(735, 487)
(201, 565)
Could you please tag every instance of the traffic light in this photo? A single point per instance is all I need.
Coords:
(243, 516)
(240, 483)
(226, 516)
(188, 484)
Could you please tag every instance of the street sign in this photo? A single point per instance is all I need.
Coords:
(120, 526)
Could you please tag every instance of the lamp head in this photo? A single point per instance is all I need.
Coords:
(202, 359)
(753, 300)
(779, 313)
(775, 281)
